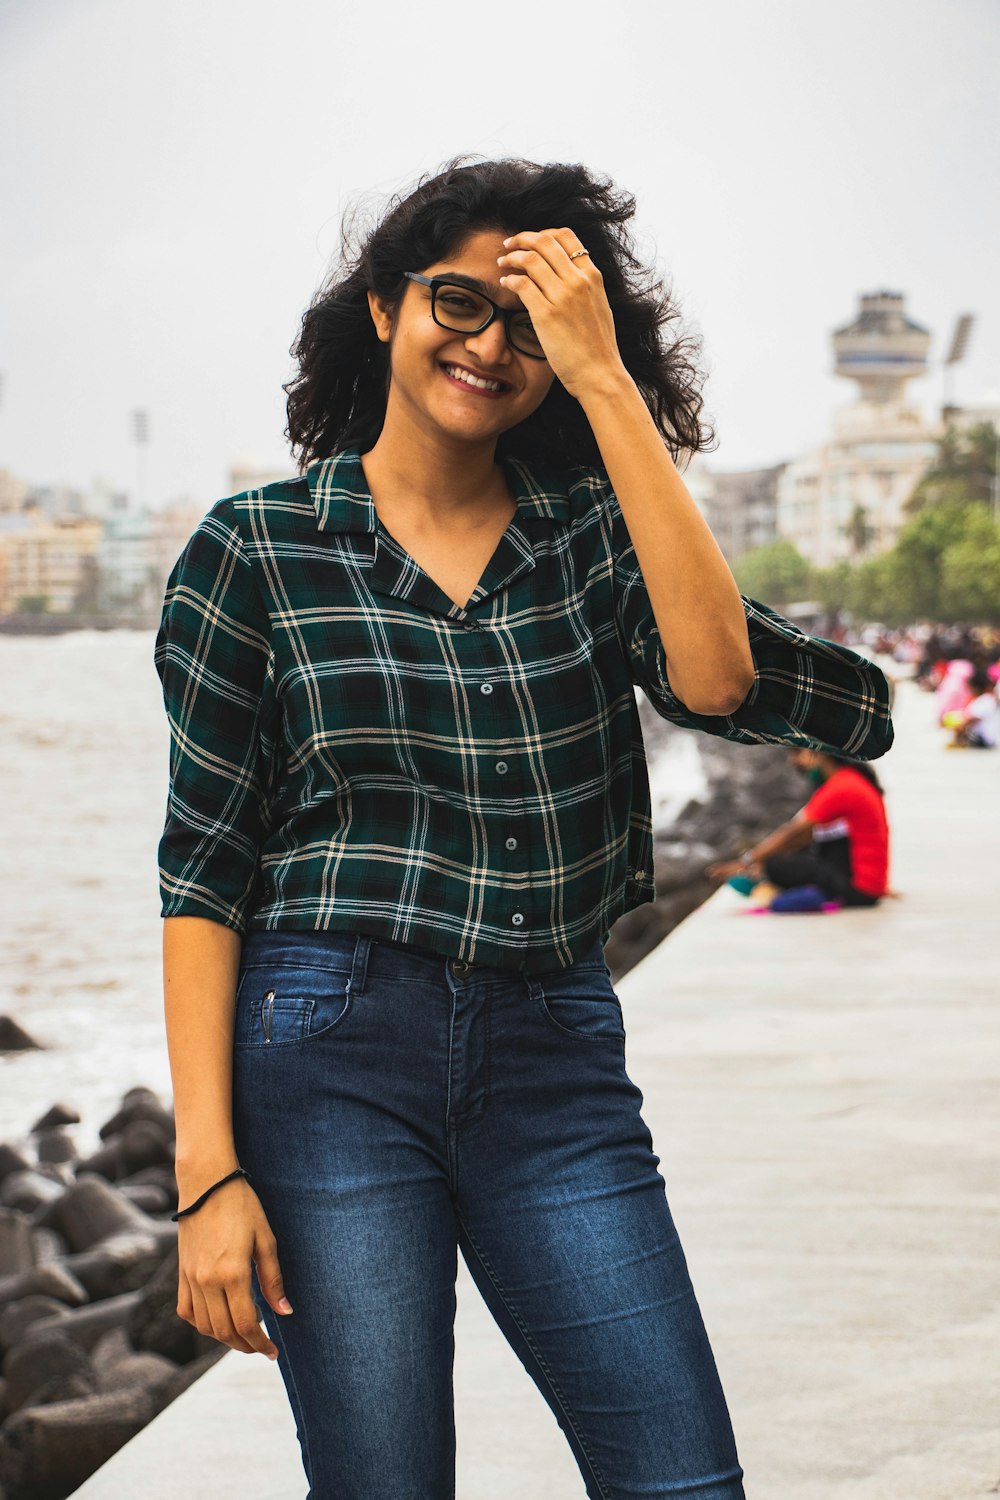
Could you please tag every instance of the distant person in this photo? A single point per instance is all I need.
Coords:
(952, 691)
(930, 663)
(977, 725)
(837, 844)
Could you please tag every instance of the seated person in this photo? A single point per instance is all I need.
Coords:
(952, 690)
(838, 842)
(977, 724)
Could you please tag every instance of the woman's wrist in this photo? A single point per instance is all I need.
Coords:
(190, 1202)
(194, 1176)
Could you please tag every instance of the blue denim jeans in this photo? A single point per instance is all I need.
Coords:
(391, 1105)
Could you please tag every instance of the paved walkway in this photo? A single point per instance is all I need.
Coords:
(822, 1092)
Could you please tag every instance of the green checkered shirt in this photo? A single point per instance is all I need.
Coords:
(351, 751)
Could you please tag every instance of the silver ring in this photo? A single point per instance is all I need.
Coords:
(579, 252)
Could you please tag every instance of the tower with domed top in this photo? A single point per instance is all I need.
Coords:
(881, 348)
(846, 499)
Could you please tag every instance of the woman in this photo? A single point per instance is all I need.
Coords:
(408, 800)
(837, 844)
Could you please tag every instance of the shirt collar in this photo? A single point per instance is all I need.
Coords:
(343, 501)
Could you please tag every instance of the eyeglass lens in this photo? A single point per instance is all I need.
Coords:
(464, 311)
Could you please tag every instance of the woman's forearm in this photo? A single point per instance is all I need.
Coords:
(200, 969)
(694, 597)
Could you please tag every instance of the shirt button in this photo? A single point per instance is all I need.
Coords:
(640, 874)
(511, 843)
(502, 767)
(486, 687)
(517, 918)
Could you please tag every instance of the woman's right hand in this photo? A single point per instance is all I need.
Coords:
(215, 1245)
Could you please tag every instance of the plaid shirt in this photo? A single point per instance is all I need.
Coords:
(351, 751)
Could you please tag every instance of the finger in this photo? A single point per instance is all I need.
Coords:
(529, 262)
(202, 1315)
(212, 1312)
(220, 1316)
(555, 246)
(570, 243)
(269, 1273)
(185, 1307)
(246, 1319)
(533, 297)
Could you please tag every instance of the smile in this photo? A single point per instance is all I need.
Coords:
(475, 382)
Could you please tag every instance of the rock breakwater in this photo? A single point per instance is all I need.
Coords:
(91, 1344)
(749, 790)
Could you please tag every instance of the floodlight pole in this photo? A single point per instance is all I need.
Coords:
(140, 434)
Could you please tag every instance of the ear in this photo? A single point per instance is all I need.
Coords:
(381, 317)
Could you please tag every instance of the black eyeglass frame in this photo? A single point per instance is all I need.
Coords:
(506, 313)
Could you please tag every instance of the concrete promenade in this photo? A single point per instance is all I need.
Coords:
(822, 1090)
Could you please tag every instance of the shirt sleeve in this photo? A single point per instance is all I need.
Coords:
(828, 801)
(806, 691)
(215, 664)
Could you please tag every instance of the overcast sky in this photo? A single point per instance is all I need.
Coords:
(172, 179)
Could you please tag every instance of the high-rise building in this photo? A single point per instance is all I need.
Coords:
(741, 508)
(45, 561)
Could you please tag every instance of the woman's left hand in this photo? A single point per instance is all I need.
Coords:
(566, 302)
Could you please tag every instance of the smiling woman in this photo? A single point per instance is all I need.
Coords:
(408, 801)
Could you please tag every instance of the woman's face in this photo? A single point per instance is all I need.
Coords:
(419, 351)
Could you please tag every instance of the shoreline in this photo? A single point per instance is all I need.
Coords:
(60, 624)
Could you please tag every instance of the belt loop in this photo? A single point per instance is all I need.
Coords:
(359, 966)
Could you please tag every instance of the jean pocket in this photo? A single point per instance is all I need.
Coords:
(581, 1002)
(279, 1005)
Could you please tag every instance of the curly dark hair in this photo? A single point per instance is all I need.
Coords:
(338, 397)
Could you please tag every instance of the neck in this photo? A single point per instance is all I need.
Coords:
(435, 480)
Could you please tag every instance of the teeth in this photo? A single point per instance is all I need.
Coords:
(484, 385)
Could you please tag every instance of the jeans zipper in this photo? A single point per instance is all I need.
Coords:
(267, 1013)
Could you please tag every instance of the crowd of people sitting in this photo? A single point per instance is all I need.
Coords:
(835, 851)
(960, 665)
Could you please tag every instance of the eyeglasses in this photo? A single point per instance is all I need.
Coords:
(461, 310)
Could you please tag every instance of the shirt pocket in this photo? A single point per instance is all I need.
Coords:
(284, 1005)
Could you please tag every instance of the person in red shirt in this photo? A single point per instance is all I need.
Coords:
(839, 841)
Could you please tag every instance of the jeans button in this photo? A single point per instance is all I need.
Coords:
(461, 966)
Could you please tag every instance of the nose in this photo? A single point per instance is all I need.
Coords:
(490, 345)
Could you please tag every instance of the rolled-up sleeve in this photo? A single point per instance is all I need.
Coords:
(215, 664)
(806, 691)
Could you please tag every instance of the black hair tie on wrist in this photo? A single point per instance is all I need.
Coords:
(191, 1208)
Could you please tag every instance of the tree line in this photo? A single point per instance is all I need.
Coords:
(944, 566)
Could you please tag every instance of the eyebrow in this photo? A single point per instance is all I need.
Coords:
(472, 282)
